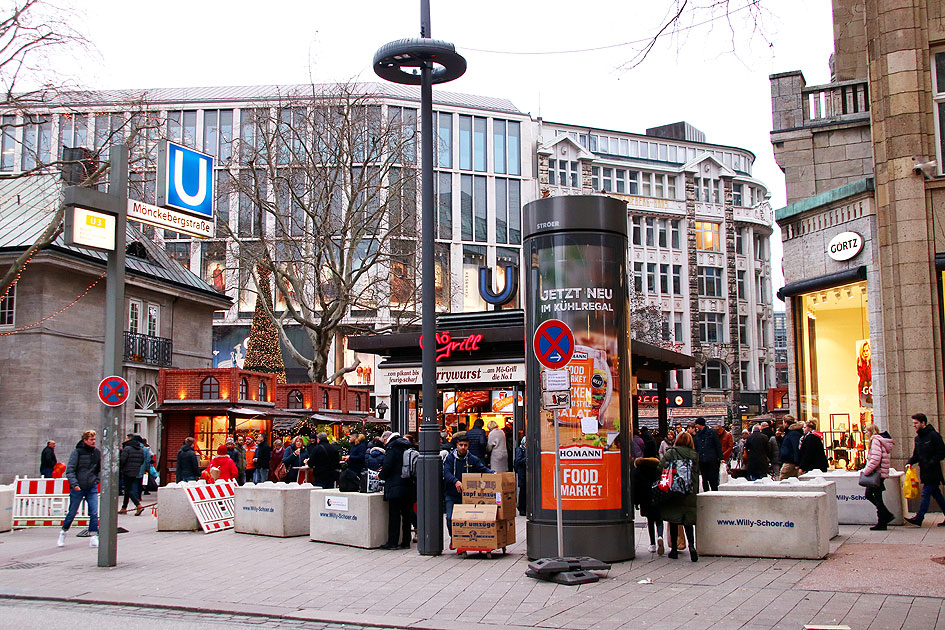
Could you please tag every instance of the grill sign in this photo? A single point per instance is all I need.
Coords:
(845, 246)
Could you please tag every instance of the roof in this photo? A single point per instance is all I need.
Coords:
(824, 199)
(258, 93)
(28, 203)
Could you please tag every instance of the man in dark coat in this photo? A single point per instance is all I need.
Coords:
(456, 464)
(399, 493)
(83, 471)
(130, 462)
(188, 465)
(756, 449)
(477, 439)
(261, 459)
(709, 447)
(324, 460)
(812, 454)
(928, 453)
(790, 451)
(47, 459)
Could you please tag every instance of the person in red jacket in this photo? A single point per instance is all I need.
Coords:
(222, 463)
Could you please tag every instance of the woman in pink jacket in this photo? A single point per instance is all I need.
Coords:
(881, 445)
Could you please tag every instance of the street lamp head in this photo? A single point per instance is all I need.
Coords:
(381, 409)
(400, 61)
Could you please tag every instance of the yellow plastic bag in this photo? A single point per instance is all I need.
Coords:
(910, 484)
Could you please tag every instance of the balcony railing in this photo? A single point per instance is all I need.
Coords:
(835, 101)
(147, 349)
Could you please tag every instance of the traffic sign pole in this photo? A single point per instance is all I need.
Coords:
(558, 488)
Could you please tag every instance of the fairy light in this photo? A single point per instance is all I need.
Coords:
(19, 273)
(59, 312)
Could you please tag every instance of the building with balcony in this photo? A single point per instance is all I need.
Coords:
(52, 330)
(699, 230)
(864, 243)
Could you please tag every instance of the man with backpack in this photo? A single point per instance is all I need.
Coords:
(399, 492)
(458, 462)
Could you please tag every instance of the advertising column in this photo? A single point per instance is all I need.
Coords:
(576, 271)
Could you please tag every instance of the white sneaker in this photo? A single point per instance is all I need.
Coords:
(651, 549)
(62, 538)
(93, 541)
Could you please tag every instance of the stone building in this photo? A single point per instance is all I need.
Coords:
(52, 330)
(699, 230)
(864, 228)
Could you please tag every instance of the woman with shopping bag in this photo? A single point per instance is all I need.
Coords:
(677, 488)
(874, 475)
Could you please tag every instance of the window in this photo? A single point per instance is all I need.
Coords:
(678, 328)
(251, 217)
(7, 142)
(508, 201)
(740, 235)
(244, 389)
(743, 330)
(638, 277)
(209, 388)
(621, 177)
(252, 136)
(507, 151)
(663, 228)
(218, 133)
(473, 208)
(647, 181)
(504, 257)
(740, 283)
(472, 143)
(707, 236)
(402, 129)
(154, 320)
(551, 172)
(296, 400)
(711, 328)
(134, 316)
(633, 182)
(671, 187)
(651, 277)
(736, 194)
(664, 279)
(262, 392)
(444, 140)
(710, 281)
(677, 279)
(608, 179)
(760, 248)
(650, 231)
(674, 234)
(743, 373)
(73, 131)
(714, 375)
(8, 308)
(37, 136)
(938, 97)
(637, 230)
(595, 178)
(182, 127)
(179, 251)
(444, 196)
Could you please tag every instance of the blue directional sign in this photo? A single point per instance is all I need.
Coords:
(185, 179)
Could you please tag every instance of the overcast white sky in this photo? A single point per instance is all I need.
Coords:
(695, 77)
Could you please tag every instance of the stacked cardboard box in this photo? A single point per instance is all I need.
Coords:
(486, 518)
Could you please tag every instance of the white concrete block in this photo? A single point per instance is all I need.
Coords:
(763, 524)
(853, 508)
(349, 518)
(273, 509)
(6, 508)
(816, 484)
(175, 514)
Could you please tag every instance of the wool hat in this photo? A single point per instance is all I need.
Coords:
(384, 436)
(221, 450)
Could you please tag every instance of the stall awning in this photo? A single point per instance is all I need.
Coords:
(209, 409)
(338, 418)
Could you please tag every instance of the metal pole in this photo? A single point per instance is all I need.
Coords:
(114, 328)
(429, 519)
(560, 526)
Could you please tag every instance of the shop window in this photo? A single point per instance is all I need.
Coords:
(296, 400)
(714, 375)
(505, 256)
(210, 433)
(263, 392)
(8, 308)
(244, 389)
(474, 257)
(209, 388)
(707, 236)
(834, 368)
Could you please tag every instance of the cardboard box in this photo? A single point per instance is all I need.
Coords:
(491, 489)
(490, 483)
(475, 527)
(506, 529)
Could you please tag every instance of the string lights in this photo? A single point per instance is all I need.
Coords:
(19, 273)
(59, 312)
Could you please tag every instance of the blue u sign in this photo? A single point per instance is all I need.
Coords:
(185, 179)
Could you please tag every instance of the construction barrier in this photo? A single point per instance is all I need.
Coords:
(214, 505)
(44, 503)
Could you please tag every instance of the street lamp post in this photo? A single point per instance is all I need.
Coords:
(424, 61)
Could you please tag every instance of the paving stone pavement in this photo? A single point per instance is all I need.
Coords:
(870, 582)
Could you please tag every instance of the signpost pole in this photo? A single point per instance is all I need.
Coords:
(111, 416)
(558, 488)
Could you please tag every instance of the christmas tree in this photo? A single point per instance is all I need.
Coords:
(264, 353)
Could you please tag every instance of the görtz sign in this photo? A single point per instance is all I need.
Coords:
(845, 246)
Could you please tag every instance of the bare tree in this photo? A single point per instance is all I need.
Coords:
(327, 202)
(648, 322)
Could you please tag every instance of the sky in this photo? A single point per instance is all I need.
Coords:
(713, 74)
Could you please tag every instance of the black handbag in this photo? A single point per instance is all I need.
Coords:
(871, 480)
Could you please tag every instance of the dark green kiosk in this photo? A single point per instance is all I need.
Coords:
(575, 266)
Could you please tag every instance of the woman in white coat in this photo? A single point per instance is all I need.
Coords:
(499, 453)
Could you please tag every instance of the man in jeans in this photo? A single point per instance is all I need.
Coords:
(82, 471)
(709, 447)
(928, 453)
(261, 459)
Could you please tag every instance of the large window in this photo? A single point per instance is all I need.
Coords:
(7, 142)
(712, 328)
(565, 173)
(714, 375)
(37, 137)
(507, 147)
(474, 257)
(444, 140)
(834, 360)
(473, 208)
(444, 205)
(8, 308)
(472, 143)
(182, 127)
(218, 134)
(710, 281)
(707, 236)
(508, 211)
(210, 433)
(939, 98)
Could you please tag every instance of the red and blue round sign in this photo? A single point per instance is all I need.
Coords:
(113, 391)
(553, 344)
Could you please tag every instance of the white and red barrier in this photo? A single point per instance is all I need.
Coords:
(214, 505)
(44, 503)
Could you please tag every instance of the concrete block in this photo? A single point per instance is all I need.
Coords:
(175, 513)
(6, 508)
(763, 524)
(817, 484)
(273, 509)
(348, 518)
(853, 508)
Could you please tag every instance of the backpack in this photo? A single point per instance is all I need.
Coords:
(408, 469)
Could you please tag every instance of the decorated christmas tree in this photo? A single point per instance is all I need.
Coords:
(264, 353)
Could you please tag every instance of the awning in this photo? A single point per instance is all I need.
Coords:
(209, 409)
(822, 282)
(338, 418)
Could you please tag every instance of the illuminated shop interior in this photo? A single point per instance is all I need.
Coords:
(834, 371)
